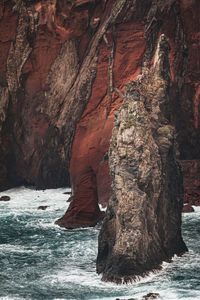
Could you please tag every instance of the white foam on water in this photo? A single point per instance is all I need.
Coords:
(28, 199)
(103, 208)
(13, 298)
(14, 249)
(25, 202)
(76, 265)
(92, 280)
(196, 209)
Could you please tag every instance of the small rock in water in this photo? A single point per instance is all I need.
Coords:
(125, 299)
(151, 296)
(43, 207)
(67, 193)
(5, 198)
(187, 208)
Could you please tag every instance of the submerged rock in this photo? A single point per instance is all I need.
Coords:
(187, 208)
(43, 207)
(125, 299)
(67, 193)
(151, 296)
(5, 198)
(142, 227)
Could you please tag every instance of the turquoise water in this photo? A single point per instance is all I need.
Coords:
(39, 260)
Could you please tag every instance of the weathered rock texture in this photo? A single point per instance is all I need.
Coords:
(64, 66)
(142, 226)
(191, 171)
(187, 208)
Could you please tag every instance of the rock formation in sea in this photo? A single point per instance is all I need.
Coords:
(142, 226)
(187, 208)
(64, 67)
(4, 198)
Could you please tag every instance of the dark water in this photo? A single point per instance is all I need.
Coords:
(39, 260)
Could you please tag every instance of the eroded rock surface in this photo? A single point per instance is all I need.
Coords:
(191, 171)
(142, 226)
(64, 66)
(187, 208)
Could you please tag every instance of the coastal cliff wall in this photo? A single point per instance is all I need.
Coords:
(64, 68)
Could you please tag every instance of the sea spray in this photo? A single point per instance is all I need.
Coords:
(39, 260)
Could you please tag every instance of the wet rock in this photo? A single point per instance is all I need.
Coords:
(151, 296)
(67, 193)
(187, 208)
(126, 299)
(80, 217)
(137, 233)
(4, 198)
(43, 207)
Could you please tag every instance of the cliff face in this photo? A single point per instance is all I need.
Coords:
(64, 67)
(142, 226)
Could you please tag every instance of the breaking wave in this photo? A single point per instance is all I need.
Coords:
(39, 260)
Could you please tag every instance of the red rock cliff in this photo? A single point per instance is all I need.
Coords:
(64, 67)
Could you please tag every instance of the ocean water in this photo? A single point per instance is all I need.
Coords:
(39, 260)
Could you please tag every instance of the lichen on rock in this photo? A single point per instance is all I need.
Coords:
(142, 227)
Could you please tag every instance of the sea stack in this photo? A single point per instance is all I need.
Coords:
(142, 227)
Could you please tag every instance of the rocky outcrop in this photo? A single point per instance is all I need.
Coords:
(89, 171)
(5, 198)
(43, 207)
(49, 71)
(142, 226)
(187, 208)
(191, 171)
(149, 296)
(36, 136)
(64, 66)
(123, 51)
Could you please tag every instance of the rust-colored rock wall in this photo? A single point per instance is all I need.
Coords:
(67, 62)
(135, 43)
(8, 22)
(88, 161)
(32, 36)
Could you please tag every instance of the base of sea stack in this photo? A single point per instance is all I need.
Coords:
(80, 218)
(131, 272)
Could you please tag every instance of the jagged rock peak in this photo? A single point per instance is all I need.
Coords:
(161, 65)
(142, 227)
